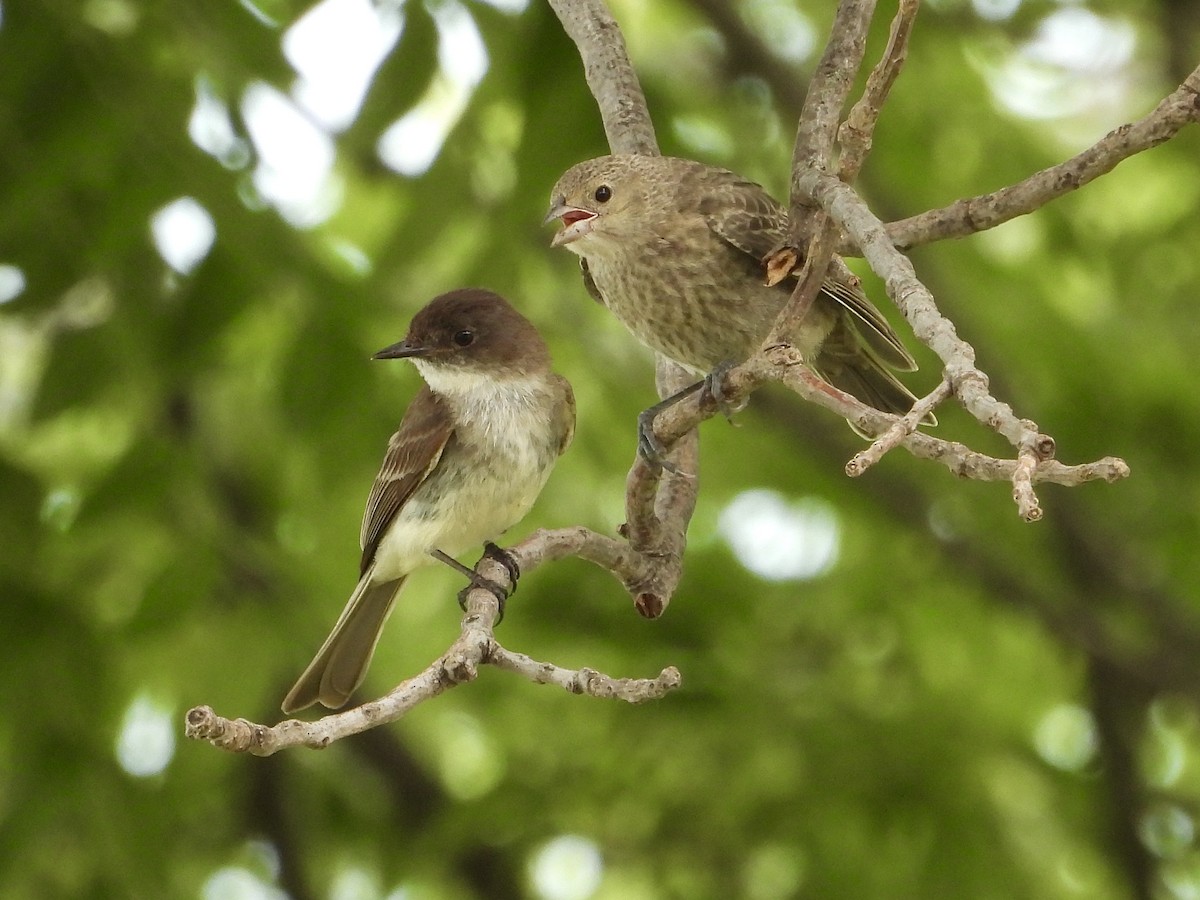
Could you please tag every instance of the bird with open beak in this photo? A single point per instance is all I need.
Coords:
(675, 249)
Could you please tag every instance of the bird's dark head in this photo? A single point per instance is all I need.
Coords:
(609, 197)
(471, 331)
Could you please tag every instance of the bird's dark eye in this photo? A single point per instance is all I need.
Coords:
(603, 193)
(463, 338)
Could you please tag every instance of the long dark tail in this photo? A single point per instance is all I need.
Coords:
(341, 664)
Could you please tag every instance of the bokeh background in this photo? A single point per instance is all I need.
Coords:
(213, 213)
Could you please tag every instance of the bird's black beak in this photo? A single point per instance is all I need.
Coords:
(406, 349)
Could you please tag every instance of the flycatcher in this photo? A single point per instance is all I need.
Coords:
(471, 455)
(674, 248)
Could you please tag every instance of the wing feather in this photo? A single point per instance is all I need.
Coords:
(749, 219)
(413, 452)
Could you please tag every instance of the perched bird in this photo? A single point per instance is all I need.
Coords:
(471, 455)
(675, 249)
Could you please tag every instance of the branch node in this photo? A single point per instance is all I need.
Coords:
(650, 605)
(459, 669)
(783, 355)
(1117, 469)
(898, 431)
(235, 735)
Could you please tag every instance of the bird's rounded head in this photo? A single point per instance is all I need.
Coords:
(471, 329)
(604, 198)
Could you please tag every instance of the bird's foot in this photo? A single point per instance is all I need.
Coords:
(649, 447)
(714, 386)
(500, 593)
(506, 559)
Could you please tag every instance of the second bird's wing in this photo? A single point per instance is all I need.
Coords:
(746, 217)
(743, 215)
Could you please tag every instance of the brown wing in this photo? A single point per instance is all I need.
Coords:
(746, 217)
(412, 453)
(743, 215)
(877, 333)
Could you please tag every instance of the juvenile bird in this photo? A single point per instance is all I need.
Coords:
(471, 455)
(674, 248)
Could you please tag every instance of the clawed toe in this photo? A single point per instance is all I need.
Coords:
(476, 580)
(649, 447)
(487, 584)
(506, 559)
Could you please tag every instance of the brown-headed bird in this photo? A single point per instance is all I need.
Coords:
(471, 455)
(675, 249)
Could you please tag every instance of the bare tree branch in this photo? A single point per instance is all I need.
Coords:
(815, 144)
(1181, 107)
(856, 134)
(783, 364)
(659, 504)
(610, 75)
(815, 138)
(826, 99)
(914, 300)
(829, 88)
(810, 177)
(475, 646)
(1034, 451)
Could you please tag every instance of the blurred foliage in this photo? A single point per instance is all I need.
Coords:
(951, 704)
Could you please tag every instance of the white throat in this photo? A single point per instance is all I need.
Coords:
(454, 382)
(468, 384)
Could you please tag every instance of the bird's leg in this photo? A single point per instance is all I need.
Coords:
(476, 580)
(713, 382)
(649, 447)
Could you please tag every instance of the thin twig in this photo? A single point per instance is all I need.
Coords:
(1179, 108)
(476, 646)
(610, 75)
(898, 430)
(856, 134)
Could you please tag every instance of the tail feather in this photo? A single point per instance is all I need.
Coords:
(341, 664)
(851, 364)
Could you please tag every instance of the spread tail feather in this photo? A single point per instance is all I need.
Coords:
(341, 663)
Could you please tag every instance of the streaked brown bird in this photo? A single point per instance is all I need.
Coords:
(471, 455)
(675, 249)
